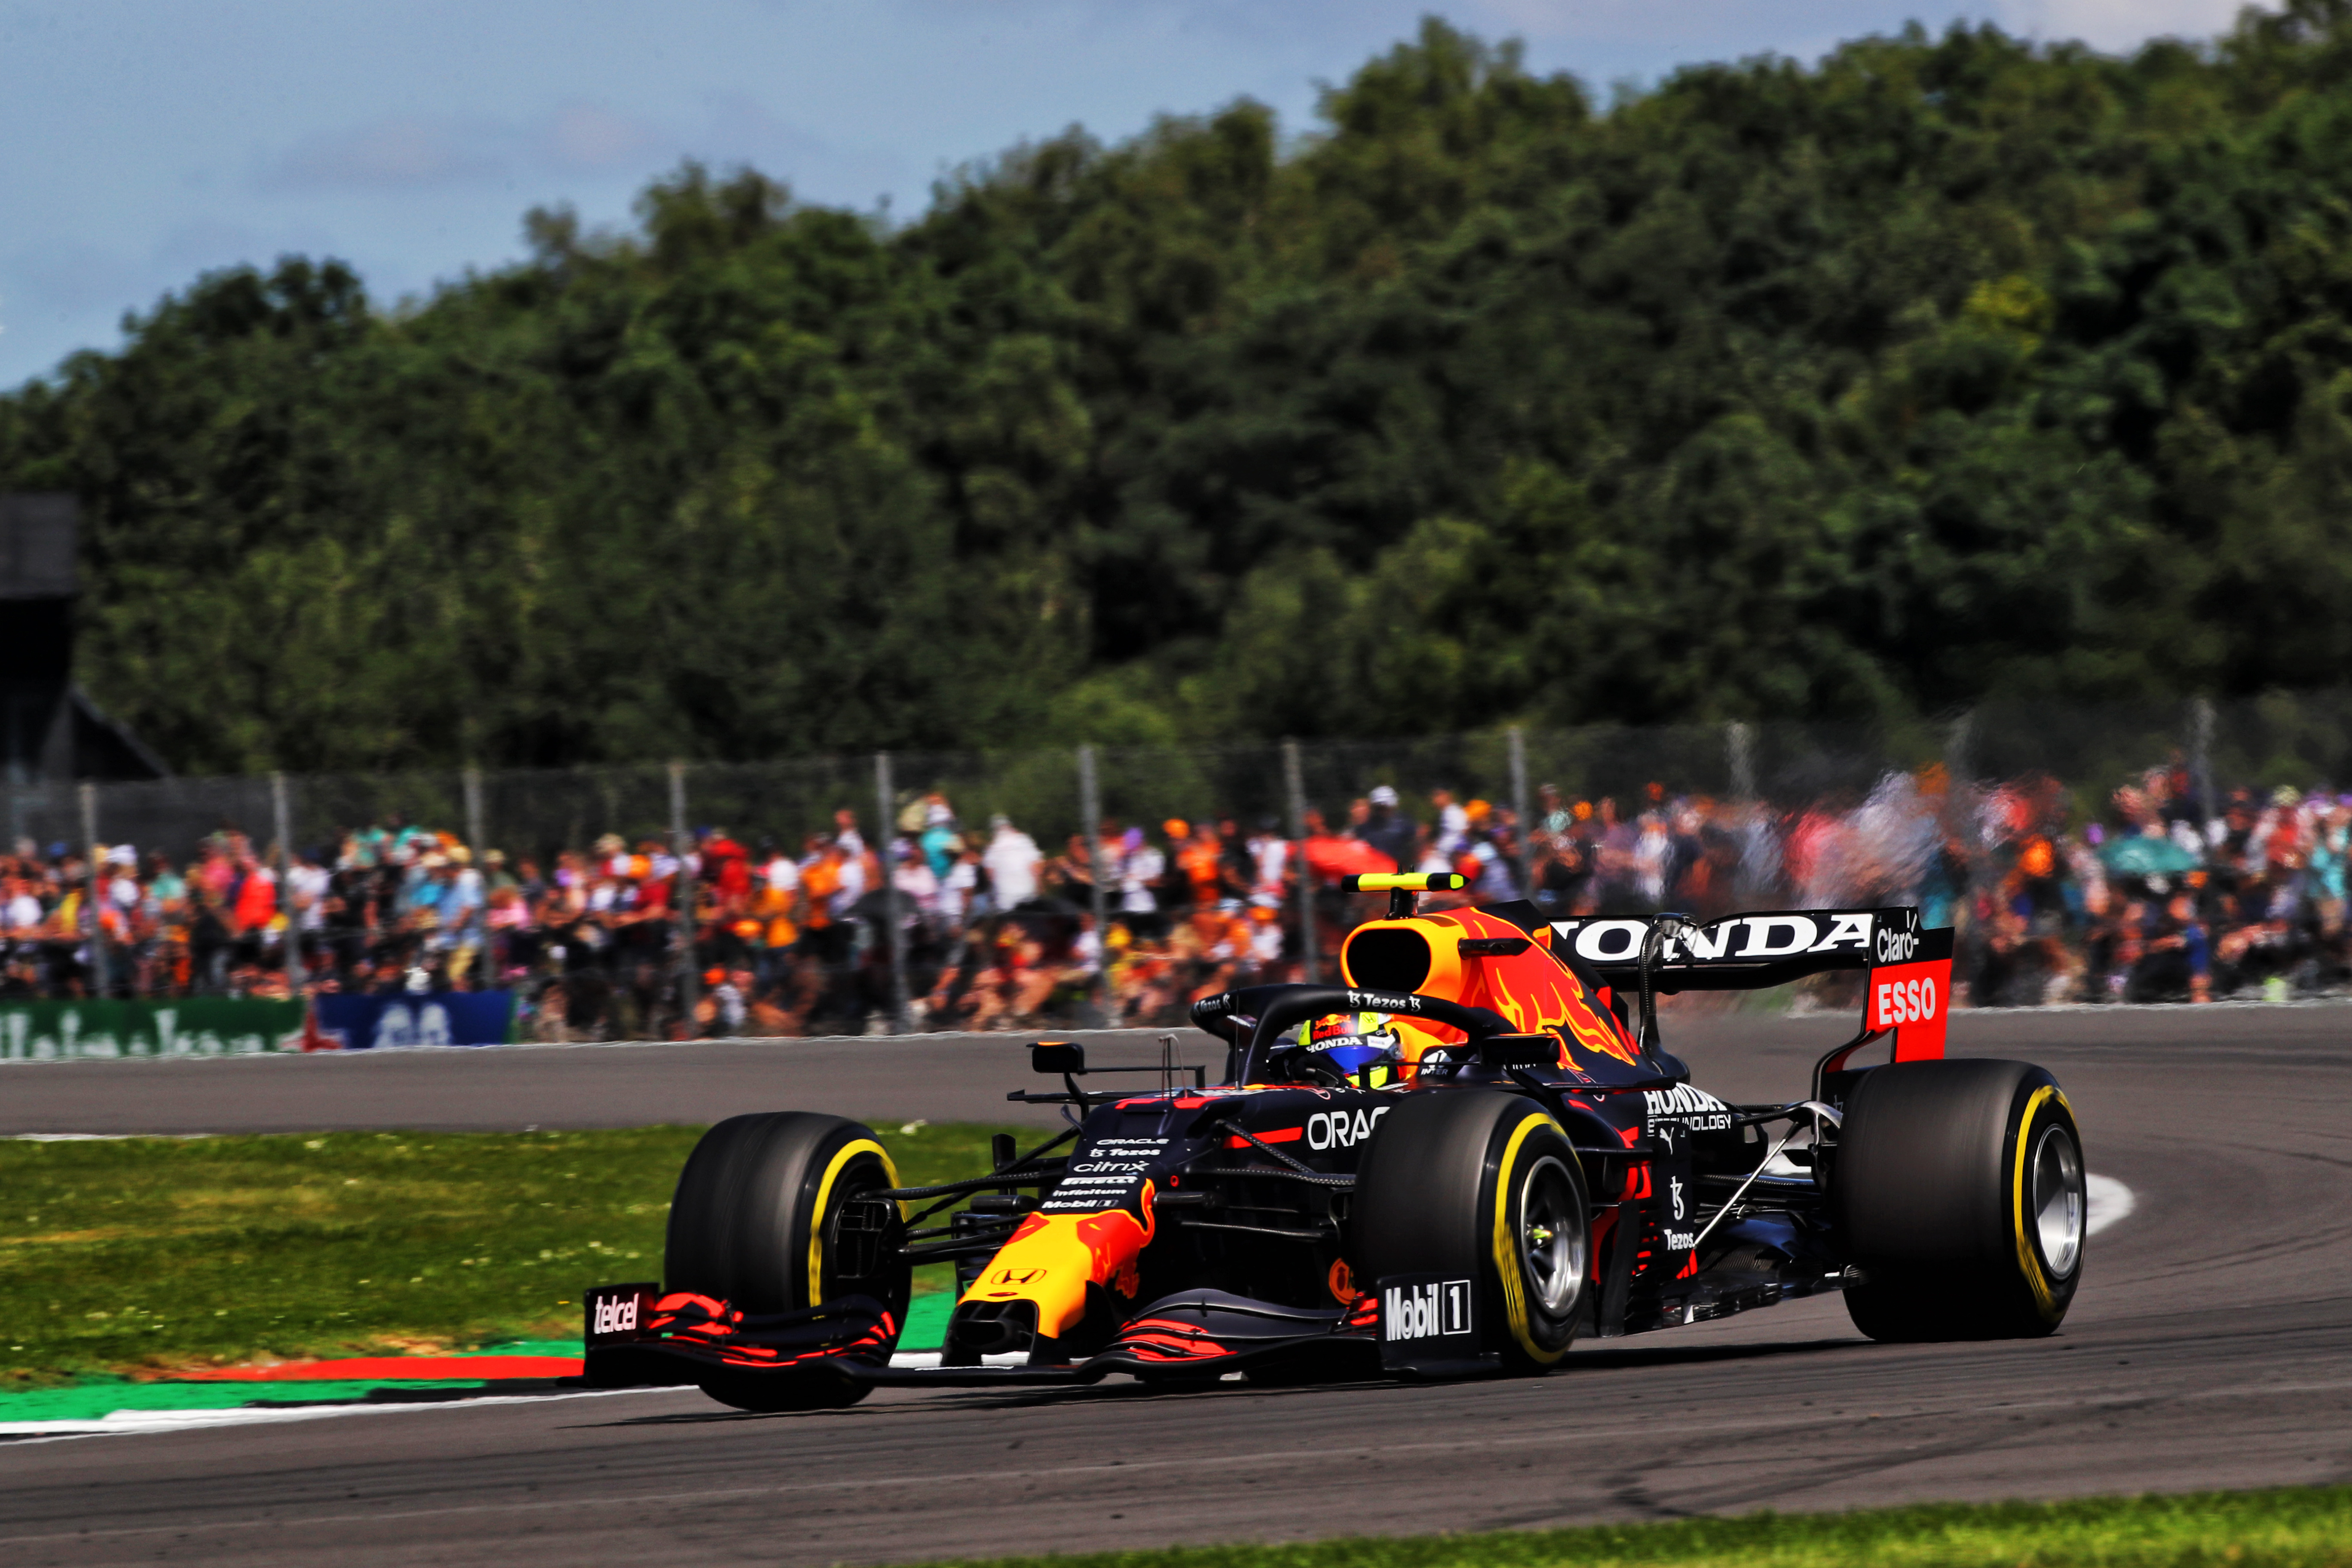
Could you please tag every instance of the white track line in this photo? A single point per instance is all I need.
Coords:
(97, 1137)
(125, 1423)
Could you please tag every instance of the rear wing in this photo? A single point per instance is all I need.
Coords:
(1910, 968)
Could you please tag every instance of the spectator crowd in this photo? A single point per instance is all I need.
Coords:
(2165, 894)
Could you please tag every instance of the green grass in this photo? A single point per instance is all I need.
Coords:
(148, 1253)
(2292, 1528)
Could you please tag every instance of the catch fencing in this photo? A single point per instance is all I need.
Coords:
(2302, 740)
(2297, 739)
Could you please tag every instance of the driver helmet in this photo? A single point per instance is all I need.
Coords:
(1352, 1041)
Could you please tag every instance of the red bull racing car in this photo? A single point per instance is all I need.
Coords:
(1472, 1152)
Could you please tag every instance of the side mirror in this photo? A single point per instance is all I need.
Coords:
(1519, 1050)
(1053, 1057)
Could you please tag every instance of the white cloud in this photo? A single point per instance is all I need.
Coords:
(397, 152)
(590, 139)
(409, 152)
(2118, 24)
(1725, 29)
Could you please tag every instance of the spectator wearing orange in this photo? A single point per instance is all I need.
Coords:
(820, 881)
(1200, 858)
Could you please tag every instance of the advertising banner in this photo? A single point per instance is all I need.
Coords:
(433, 1018)
(190, 1026)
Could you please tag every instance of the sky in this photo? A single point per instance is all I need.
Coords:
(148, 141)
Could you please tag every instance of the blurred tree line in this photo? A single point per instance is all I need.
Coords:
(1951, 368)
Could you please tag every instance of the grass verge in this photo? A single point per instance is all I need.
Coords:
(149, 1253)
(2288, 1528)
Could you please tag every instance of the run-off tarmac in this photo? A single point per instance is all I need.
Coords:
(2207, 1348)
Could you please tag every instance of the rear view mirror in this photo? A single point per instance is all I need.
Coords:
(1055, 1056)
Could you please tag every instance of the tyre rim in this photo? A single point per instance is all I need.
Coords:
(2058, 1200)
(1551, 1237)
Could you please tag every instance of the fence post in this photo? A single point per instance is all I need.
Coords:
(886, 856)
(1296, 786)
(94, 889)
(682, 845)
(1519, 808)
(2201, 760)
(1739, 742)
(485, 959)
(1961, 818)
(295, 974)
(1090, 823)
(474, 835)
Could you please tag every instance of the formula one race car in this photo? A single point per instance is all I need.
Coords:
(1472, 1152)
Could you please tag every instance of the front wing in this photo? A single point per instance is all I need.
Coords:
(636, 1336)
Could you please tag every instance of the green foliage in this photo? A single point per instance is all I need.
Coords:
(2286, 1528)
(160, 1251)
(1951, 369)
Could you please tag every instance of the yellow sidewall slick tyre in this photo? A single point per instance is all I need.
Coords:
(1484, 1186)
(1959, 1188)
(757, 1220)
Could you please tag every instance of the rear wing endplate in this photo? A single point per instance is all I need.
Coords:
(1909, 988)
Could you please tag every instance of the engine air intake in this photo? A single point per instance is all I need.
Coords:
(1387, 958)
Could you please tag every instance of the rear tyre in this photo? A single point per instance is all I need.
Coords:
(1959, 1188)
(1480, 1185)
(775, 1212)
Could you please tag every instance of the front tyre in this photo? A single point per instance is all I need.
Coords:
(1480, 1185)
(1959, 1188)
(777, 1212)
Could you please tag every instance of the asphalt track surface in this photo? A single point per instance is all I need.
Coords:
(2211, 1346)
